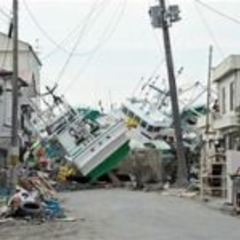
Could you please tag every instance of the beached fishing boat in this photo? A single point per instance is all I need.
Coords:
(95, 146)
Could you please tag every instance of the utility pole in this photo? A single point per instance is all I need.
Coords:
(14, 152)
(209, 89)
(162, 18)
(207, 127)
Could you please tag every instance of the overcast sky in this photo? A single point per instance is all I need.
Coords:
(115, 44)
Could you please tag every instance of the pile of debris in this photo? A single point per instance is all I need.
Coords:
(33, 198)
(34, 195)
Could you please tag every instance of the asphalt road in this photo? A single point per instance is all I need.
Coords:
(128, 215)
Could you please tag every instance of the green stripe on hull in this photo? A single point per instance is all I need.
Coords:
(110, 162)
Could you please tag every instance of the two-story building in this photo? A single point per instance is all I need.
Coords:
(226, 122)
(29, 81)
(224, 127)
(29, 63)
(6, 109)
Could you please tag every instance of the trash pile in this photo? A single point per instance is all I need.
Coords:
(35, 195)
(36, 198)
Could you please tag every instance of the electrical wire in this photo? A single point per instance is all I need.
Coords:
(221, 14)
(159, 46)
(111, 27)
(58, 46)
(102, 40)
(82, 31)
(41, 29)
(163, 61)
(209, 30)
(106, 35)
(3, 19)
(159, 65)
(6, 15)
(79, 54)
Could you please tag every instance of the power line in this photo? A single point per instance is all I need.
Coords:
(111, 27)
(102, 40)
(71, 84)
(158, 65)
(159, 44)
(42, 30)
(103, 5)
(224, 15)
(60, 75)
(5, 14)
(209, 30)
(4, 19)
(58, 46)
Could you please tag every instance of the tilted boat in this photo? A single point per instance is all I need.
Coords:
(94, 146)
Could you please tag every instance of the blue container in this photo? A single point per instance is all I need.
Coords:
(54, 208)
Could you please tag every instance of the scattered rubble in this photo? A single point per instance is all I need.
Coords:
(180, 192)
(35, 196)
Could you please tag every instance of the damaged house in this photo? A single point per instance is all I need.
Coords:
(29, 83)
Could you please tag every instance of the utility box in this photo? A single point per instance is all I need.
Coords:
(174, 13)
(155, 14)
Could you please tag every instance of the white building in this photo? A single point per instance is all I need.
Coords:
(227, 78)
(29, 63)
(6, 108)
(224, 130)
(29, 78)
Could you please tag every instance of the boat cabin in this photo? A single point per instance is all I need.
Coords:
(150, 123)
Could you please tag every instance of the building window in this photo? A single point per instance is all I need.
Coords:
(223, 100)
(232, 96)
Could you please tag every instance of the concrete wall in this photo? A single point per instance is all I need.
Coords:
(145, 165)
(228, 65)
